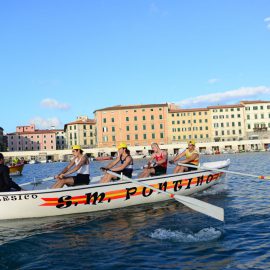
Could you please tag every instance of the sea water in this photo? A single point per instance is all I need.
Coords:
(165, 235)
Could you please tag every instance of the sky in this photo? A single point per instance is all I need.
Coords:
(60, 59)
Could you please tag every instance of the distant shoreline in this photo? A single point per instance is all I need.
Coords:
(204, 148)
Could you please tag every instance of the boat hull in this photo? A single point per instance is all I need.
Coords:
(99, 197)
(16, 169)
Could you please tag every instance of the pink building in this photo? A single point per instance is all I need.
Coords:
(27, 138)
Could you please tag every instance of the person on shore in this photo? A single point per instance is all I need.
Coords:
(15, 161)
(6, 183)
(80, 164)
(157, 164)
(125, 167)
(191, 158)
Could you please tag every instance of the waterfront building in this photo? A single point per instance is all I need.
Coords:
(257, 116)
(82, 132)
(27, 138)
(228, 122)
(61, 141)
(133, 124)
(186, 124)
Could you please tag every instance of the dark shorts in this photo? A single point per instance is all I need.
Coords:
(189, 168)
(127, 173)
(159, 170)
(81, 179)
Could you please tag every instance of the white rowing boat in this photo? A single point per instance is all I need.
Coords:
(97, 197)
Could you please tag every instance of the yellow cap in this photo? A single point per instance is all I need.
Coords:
(191, 142)
(122, 145)
(76, 147)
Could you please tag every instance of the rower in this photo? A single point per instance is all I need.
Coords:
(157, 164)
(80, 164)
(125, 167)
(191, 158)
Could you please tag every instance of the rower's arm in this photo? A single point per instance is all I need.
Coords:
(84, 160)
(122, 166)
(179, 156)
(71, 164)
(191, 158)
(113, 163)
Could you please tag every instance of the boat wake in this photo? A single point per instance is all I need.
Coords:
(204, 235)
(214, 190)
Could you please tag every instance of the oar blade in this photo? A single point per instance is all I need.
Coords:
(201, 206)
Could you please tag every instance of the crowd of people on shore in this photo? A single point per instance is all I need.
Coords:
(121, 165)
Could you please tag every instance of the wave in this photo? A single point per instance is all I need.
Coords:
(204, 235)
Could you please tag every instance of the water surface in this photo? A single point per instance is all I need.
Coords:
(166, 235)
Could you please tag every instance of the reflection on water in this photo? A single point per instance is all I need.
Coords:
(166, 235)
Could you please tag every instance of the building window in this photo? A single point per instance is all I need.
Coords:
(153, 136)
(127, 119)
(135, 118)
(152, 117)
(136, 136)
(104, 120)
(128, 137)
(160, 116)
(144, 136)
(144, 118)
(127, 128)
(161, 135)
(144, 127)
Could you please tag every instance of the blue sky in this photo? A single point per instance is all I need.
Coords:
(63, 58)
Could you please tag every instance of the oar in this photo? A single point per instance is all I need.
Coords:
(38, 182)
(195, 204)
(225, 171)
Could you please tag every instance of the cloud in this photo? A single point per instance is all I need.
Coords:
(212, 81)
(267, 20)
(225, 97)
(54, 104)
(42, 123)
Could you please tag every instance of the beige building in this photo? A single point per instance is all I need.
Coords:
(228, 122)
(185, 124)
(82, 132)
(133, 124)
(257, 115)
(61, 141)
